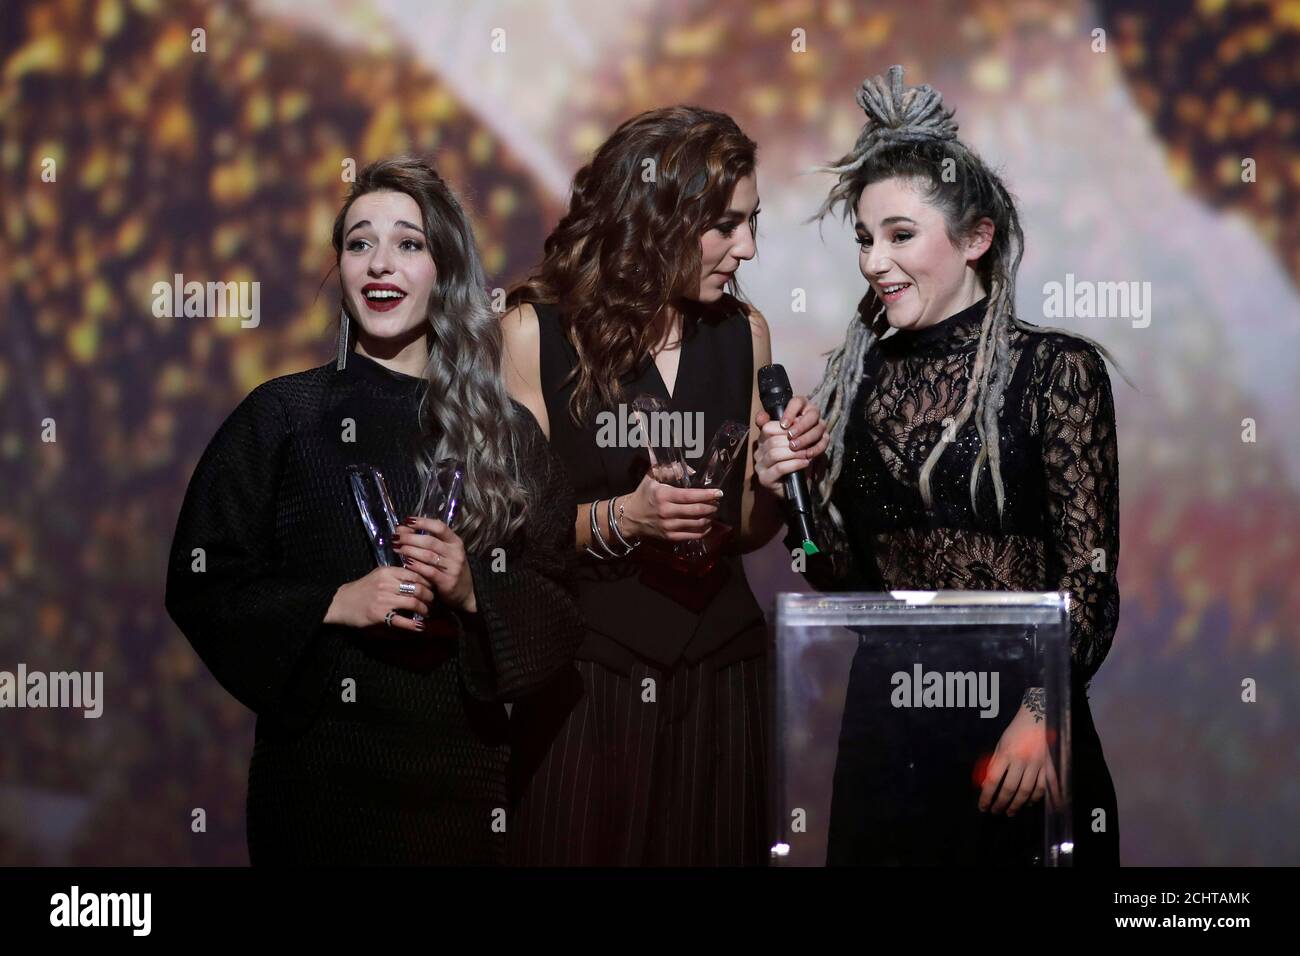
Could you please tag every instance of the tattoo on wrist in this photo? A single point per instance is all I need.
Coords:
(1035, 701)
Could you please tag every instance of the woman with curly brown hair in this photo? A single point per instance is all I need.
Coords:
(657, 752)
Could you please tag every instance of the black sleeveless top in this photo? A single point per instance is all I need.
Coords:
(635, 608)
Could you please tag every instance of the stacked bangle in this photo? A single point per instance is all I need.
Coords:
(599, 539)
(613, 524)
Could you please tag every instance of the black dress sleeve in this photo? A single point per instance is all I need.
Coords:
(528, 626)
(257, 625)
(1081, 469)
(837, 566)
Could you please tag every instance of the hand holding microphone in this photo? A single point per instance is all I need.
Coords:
(793, 434)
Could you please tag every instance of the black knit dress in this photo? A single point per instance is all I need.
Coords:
(414, 768)
(1059, 531)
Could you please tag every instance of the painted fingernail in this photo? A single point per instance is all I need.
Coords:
(411, 522)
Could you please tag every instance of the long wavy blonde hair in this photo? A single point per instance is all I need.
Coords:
(466, 399)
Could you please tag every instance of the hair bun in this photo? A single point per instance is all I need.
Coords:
(904, 114)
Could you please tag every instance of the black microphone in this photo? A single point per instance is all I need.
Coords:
(775, 394)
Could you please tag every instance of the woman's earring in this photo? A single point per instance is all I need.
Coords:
(343, 339)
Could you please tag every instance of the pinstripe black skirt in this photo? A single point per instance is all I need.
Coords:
(659, 767)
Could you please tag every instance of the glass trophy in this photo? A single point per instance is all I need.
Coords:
(668, 465)
(667, 457)
(443, 487)
(378, 517)
(889, 708)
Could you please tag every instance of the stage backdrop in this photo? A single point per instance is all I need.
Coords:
(141, 140)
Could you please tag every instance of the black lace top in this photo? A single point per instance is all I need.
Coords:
(1060, 524)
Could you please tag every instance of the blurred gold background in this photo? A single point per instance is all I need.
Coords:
(225, 165)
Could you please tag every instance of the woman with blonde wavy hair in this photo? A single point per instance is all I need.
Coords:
(382, 738)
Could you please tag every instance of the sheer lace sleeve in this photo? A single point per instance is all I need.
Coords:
(1077, 427)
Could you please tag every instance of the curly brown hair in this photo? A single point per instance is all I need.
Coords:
(629, 244)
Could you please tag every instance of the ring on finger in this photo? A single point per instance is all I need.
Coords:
(406, 587)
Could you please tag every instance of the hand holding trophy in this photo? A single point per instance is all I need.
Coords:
(699, 553)
(439, 500)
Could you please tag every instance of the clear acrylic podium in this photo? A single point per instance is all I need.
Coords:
(890, 708)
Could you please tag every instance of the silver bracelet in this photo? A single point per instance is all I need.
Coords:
(598, 538)
(609, 511)
(595, 554)
(613, 525)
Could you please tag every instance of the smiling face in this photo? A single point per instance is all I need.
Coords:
(388, 273)
(729, 241)
(907, 256)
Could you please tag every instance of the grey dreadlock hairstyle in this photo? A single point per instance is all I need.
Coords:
(909, 134)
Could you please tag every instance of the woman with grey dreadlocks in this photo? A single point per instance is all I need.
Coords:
(969, 450)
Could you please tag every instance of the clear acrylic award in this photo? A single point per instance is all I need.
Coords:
(890, 708)
(668, 465)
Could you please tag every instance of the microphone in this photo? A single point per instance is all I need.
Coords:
(775, 393)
